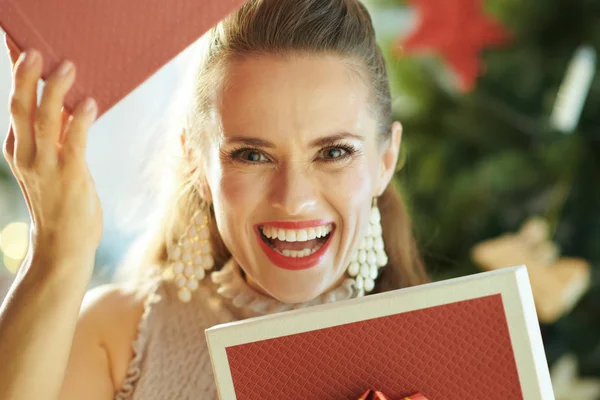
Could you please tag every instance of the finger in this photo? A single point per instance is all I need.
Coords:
(76, 134)
(13, 50)
(65, 122)
(14, 53)
(23, 102)
(8, 151)
(49, 118)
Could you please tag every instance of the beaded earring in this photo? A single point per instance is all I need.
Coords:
(191, 257)
(370, 255)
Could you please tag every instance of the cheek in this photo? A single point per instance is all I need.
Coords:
(352, 187)
(236, 188)
(351, 193)
(232, 188)
(236, 194)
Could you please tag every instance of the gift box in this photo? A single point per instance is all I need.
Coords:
(474, 337)
(116, 45)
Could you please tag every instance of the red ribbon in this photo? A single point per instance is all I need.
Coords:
(376, 395)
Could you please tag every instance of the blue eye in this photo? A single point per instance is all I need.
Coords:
(333, 153)
(337, 153)
(249, 156)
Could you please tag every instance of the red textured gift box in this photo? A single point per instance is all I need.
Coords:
(115, 44)
(475, 337)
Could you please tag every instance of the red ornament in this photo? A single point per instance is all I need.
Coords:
(458, 30)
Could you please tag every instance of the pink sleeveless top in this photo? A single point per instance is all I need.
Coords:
(171, 358)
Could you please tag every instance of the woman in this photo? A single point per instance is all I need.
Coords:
(287, 158)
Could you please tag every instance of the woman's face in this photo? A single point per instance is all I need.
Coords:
(293, 170)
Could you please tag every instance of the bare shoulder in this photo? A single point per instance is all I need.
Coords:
(112, 301)
(110, 315)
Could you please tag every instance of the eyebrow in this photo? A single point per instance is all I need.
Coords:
(328, 140)
(320, 142)
(248, 141)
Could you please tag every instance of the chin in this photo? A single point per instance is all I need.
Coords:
(294, 291)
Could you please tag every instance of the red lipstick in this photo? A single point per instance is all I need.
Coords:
(290, 263)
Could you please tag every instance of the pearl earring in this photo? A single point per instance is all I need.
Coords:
(191, 257)
(370, 256)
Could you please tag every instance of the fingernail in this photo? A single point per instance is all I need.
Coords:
(65, 68)
(32, 57)
(89, 105)
(28, 58)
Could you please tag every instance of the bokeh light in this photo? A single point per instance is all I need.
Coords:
(11, 264)
(14, 242)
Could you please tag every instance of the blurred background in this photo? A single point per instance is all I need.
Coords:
(500, 165)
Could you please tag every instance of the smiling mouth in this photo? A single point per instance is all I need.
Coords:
(296, 243)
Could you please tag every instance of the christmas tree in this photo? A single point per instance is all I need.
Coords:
(481, 157)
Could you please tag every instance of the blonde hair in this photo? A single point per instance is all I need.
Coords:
(281, 27)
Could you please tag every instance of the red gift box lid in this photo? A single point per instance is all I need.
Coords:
(116, 45)
(474, 337)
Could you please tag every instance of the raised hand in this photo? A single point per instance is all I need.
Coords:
(45, 149)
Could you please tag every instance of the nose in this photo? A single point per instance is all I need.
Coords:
(293, 192)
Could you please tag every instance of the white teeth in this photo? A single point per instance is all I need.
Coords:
(297, 253)
(302, 235)
(297, 235)
(290, 236)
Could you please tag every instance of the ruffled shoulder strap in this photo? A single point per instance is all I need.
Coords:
(139, 344)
